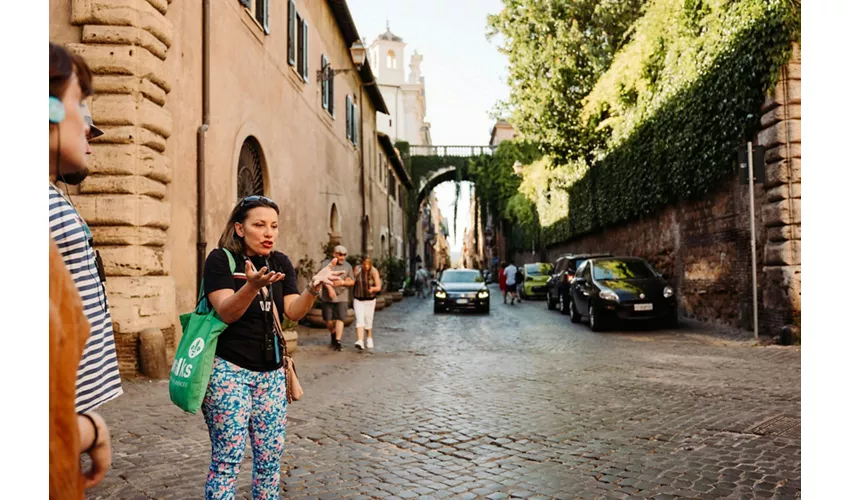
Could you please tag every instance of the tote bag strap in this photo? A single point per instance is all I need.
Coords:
(231, 262)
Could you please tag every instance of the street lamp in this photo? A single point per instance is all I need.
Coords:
(358, 56)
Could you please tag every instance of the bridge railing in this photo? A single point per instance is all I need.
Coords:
(460, 151)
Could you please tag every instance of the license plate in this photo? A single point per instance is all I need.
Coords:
(462, 301)
(643, 307)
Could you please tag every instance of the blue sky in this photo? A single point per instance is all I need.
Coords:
(464, 72)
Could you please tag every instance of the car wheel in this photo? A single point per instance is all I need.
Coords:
(484, 309)
(438, 309)
(563, 304)
(595, 320)
(575, 316)
(549, 303)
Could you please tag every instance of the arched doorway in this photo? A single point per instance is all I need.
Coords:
(250, 177)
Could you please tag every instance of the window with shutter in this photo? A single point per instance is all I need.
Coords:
(300, 37)
(325, 82)
(331, 106)
(305, 32)
(263, 14)
(290, 41)
(348, 117)
(354, 124)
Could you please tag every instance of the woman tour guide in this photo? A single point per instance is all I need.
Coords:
(246, 396)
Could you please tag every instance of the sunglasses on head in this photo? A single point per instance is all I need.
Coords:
(255, 198)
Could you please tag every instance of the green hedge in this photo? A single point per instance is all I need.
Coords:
(676, 104)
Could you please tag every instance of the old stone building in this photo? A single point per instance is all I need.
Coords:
(405, 97)
(203, 102)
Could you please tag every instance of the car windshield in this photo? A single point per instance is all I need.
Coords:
(621, 270)
(462, 277)
(537, 269)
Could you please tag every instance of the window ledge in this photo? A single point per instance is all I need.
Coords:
(253, 25)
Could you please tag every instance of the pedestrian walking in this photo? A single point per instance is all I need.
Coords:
(246, 396)
(98, 379)
(421, 280)
(335, 300)
(72, 432)
(503, 286)
(367, 286)
(511, 281)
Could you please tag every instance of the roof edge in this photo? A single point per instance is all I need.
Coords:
(395, 159)
(342, 16)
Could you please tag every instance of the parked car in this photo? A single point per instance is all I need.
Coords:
(461, 289)
(563, 272)
(621, 288)
(534, 279)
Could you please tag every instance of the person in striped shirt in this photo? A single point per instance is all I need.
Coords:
(98, 380)
(72, 433)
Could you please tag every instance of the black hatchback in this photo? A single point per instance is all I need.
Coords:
(621, 288)
(563, 272)
(461, 289)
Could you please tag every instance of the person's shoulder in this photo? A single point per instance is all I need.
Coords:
(282, 260)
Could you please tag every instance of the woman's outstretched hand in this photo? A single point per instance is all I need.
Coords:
(327, 276)
(260, 279)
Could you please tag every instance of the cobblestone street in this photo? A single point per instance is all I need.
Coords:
(521, 403)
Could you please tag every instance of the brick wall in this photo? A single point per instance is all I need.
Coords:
(703, 247)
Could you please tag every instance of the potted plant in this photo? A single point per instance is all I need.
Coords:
(290, 335)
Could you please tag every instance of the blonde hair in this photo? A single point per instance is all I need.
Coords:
(230, 239)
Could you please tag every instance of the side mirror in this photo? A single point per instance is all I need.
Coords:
(580, 281)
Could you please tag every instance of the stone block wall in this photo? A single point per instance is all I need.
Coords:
(781, 137)
(125, 199)
(704, 246)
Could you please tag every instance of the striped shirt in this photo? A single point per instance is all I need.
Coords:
(98, 380)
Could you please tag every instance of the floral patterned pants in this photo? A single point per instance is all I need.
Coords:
(240, 403)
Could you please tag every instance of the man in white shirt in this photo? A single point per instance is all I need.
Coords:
(510, 281)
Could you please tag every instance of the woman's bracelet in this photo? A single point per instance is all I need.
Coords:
(312, 291)
(96, 436)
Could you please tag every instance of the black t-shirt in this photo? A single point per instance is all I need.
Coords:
(243, 341)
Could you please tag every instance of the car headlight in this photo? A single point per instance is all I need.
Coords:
(483, 294)
(440, 294)
(668, 292)
(609, 295)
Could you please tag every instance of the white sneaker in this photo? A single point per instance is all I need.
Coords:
(359, 345)
(369, 343)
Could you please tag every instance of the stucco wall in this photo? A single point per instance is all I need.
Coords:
(141, 199)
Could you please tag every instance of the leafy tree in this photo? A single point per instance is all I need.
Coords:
(557, 49)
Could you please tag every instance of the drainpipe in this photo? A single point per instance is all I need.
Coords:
(363, 229)
(201, 153)
(362, 145)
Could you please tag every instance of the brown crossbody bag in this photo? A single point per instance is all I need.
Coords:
(294, 392)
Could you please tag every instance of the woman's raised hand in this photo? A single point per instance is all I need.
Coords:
(260, 279)
(327, 276)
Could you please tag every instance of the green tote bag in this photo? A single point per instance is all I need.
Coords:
(190, 373)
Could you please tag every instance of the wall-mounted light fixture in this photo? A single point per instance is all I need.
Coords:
(358, 56)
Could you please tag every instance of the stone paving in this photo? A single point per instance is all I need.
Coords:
(518, 404)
